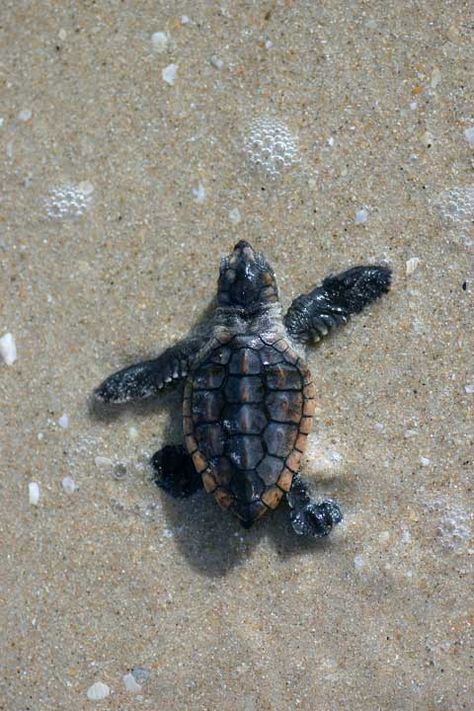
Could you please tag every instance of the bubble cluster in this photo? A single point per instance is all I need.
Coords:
(456, 209)
(453, 526)
(68, 201)
(270, 146)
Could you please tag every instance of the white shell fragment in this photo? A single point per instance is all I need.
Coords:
(160, 41)
(359, 562)
(469, 135)
(98, 691)
(8, 349)
(64, 421)
(69, 485)
(130, 683)
(412, 265)
(103, 462)
(25, 115)
(169, 74)
(361, 216)
(435, 77)
(199, 193)
(217, 63)
(34, 493)
(234, 216)
(469, 389)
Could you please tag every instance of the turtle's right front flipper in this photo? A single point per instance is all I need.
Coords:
(143, 380)
(311, 316)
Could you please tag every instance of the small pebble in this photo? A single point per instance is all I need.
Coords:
(34, 493)
(8, 349)
(98, 691)
(25, 115)
(361, 216)
(217, 63)
(268, 44)
(169, 74)
(469, 388)
(184, 19)
(379, 427)
(62, 34)
(469, 135)
(132, 432)
(160, 41)
(425, 462)
(412, 265)
(140, 674)
(330, 141)
(199, 193)
(64, 421)
(69, 485)
(130, 683)
(413, 105)
(234, 216)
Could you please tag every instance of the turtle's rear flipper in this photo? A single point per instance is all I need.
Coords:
(309, 518)
(311, 316)
(174, 472)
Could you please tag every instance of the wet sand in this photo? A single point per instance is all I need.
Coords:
(120, 191)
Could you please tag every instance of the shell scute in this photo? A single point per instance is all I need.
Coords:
(285, 406)
(244, 419)
(280, 438)
(245, 452)
(210, 377)
(245, 361)
(207, 405)
(269, 469)
(244, 389)
(283, 376)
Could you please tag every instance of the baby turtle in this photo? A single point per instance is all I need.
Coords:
(249, 396)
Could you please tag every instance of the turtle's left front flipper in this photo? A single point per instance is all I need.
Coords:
(311, 316)
(143, 380)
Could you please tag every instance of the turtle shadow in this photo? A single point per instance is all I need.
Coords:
(214, 542)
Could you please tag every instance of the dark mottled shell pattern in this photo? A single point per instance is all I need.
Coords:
(248, 409)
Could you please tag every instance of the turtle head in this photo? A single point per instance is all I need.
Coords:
(246, 280)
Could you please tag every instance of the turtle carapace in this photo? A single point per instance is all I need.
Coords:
(249, 396)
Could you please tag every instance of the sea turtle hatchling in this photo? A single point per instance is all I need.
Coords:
(248, 400)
